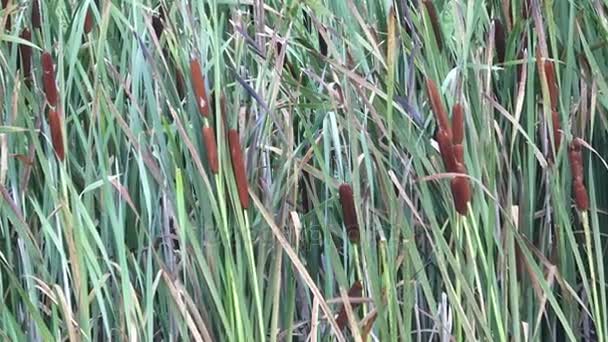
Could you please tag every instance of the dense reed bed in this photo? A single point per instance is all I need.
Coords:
(322, 170)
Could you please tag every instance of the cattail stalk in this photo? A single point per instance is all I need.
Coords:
(56, 133)
(238, 166)
(211, 147)
(356, 291)
(26, 55)
(575, 154)
(48, 78)
(36, 22)
(348, 212)
(198, 85)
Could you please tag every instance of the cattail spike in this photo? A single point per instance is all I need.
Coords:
(500, 40)
(26, 55)
(88, 22)
(36, 22)
(437, 107)
(211, 147)
(457, 124)
(356, 291)
(432, 12)
(56, 133)
(575, 155)
(557, 137)
(48, 77)
(238, 166)
(551, 83)
(461, 191)
(180, 83)
(158, 22)
(445, 149)
(198, 85)
(348, 212)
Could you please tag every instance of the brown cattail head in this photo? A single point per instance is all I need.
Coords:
(432, 11)
(88, 22)
(437, 106)
(580, 196)
(500, 40)
(26, 55)
(458, 154)
(575, 154)
(48, 78)
(457, 124)
(180, 83)
(7, 25)
(356, 291)
(56, 133)
(36, 22)
(445, 149)
(238, 166)
(556, 127)
(461, 191)
(551, 83)
(211, 147)
(198, 85)
(158, 22)
(348, 212)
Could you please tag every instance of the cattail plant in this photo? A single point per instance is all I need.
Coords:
(48, 79)
(56, 133)
(88, 21)
(180, 84)
(450, 139)
(36, 22)
(356, 291)
(432, 12)
(238, 166)
(25, 52)
(348, 212)
(210, 145)
(553, 98)
(500, 40)
(158, 22)
(198, 85)
(575, 155)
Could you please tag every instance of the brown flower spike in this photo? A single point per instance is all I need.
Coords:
(48, 78)
(25, 52)
(56, 133)
(355, 291)
(575, 154)
(198, 85)
(88, 22)
(36, 22)
(211, 147)
(500, 40)
(553, 94)
(238, 166)
(432, 11)
(450, 139)
(348, 212)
